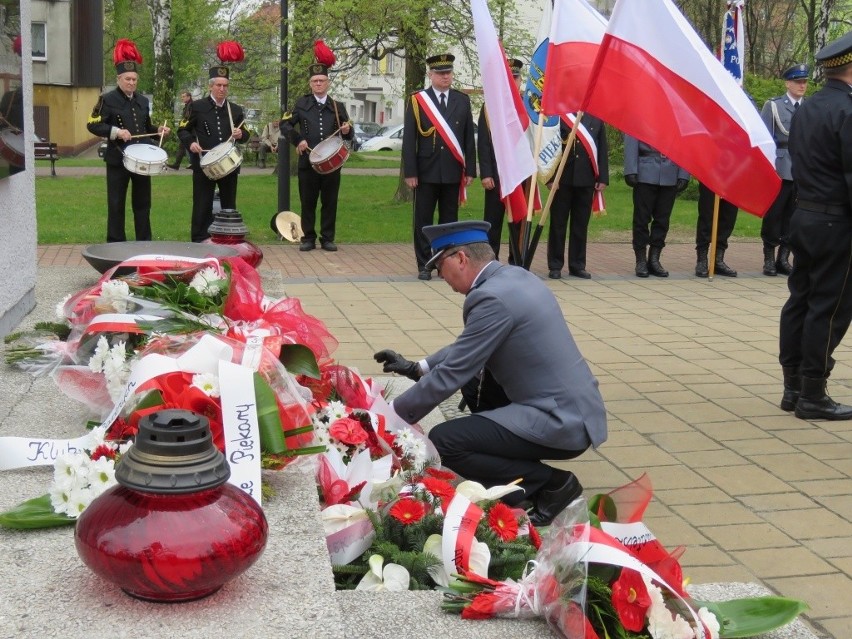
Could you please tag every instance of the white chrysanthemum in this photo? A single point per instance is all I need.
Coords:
(710, 622)
(101, 475)
(206, 281)
(207, 382)
(71, 470)
(117, 294)
(123, 448)
(318, 420)
(60, 307)
(322, 438)
(78, 501)
(335, 411)
(60, 497)
(97, 436)
(96, 363)
(342, 448)
(661, 623)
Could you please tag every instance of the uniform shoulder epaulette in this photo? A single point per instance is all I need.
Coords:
(95, 117)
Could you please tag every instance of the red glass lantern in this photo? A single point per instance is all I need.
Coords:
(228, 228)
(172, 530)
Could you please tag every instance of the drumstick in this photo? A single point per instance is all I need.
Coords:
(162, 133)
(142, 135)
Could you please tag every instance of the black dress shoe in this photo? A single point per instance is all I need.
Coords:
(307, 246)
(424, 275)
(173, 166)
(329, 246)
(580, 272)
(555, 275)
(550, 501)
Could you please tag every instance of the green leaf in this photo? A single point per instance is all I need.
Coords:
(268, 419)
(753, 615)
(298, 359)
(34, 513)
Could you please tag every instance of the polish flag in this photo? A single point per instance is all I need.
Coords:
(655, 79)
(575, 37)
(506, 113)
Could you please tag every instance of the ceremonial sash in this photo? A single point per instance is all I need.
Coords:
(446, 133)
(588, 142)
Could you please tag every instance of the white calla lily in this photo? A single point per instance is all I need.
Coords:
(476, 492)
(391, 578)
(437, 572)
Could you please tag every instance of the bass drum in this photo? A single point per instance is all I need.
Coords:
(145, 159)
(223, 159)
(329, 155)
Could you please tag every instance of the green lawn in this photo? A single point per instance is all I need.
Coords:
(73, 209)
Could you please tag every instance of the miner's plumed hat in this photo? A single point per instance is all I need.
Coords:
(797, 72)
(837, 53)
(126, 57)
(228, 51)
(324, 57)
(443, 237)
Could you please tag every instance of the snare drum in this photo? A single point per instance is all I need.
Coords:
(12, 147)
(223, 159)
(145, 159)
(329, 155)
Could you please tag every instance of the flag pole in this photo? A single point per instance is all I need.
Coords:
(524, 235)
(711, 258)
(569, 143)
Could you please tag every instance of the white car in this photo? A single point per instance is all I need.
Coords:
(388, 138)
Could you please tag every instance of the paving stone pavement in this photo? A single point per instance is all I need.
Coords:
(689, 373)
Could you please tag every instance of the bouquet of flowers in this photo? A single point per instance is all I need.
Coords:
(585, 582)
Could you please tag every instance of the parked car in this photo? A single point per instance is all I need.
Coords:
(364, 131)
(388, 138)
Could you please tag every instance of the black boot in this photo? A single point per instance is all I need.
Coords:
(654, 267)
(769, 261)
(792, 388)
(814, 403)
(641, 263)
(721, 268)
(702, 268)
(782, 264)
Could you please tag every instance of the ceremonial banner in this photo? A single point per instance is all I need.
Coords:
(515, 162)
(732, 52)
(682, 102)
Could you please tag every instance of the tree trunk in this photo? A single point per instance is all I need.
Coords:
(164, 82)
(821, 31)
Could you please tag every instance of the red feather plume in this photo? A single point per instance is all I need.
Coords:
(125, 51)
(323, 54)
(230, 51)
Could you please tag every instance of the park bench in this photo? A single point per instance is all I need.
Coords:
(46, 151)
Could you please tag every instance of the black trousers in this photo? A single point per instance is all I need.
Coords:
(704, 228)
(652, 205)
(569, 215)
(426, 196)
(203, 189)
(816, 316)
(493, 213)
(118, 179)
(181, 152)
(776, 222)
(313, 187)
(480, 449)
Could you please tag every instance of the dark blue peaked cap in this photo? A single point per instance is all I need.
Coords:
(797, 72)
(452, 234)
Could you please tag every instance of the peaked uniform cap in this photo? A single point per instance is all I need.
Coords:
(797, 72)
(443, 62)
(443, 237)
(837, 53)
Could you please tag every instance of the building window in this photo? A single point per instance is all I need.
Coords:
(39, 37)
(374, 67)
(391, 64)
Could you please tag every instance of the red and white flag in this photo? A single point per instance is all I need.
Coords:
(515, 162)
(656, 80)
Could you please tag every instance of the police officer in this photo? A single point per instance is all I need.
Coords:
(122, 116)
(318, 117)
(211, 121)
(655, 181)
(703, 231)
(494, 208)
(438, 152)
(777, 114)
(819, 309)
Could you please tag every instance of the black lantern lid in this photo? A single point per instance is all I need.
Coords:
(228, 222)
(173, 453)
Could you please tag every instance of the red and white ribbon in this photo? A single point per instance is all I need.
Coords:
(446, 133)
(460, 522)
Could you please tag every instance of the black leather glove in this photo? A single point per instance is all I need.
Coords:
(631, 180)
(681, 185)
(396, 363)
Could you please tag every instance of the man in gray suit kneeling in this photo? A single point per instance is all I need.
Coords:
(531, 394)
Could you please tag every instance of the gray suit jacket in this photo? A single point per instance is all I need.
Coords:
(649, 165)
(780, 129)
(513, 326)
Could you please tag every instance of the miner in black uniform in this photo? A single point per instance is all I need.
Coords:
(777, 114)
(704, 228)
(122, 116)
(318, 117)
(819, 309)
(572, 204)
(438, 152)
(494, 208)
(186, 100)
(211, 121)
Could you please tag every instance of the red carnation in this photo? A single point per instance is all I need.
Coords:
(631, 599)
(103, 451)
(349, 431)
(503, 521)
(126, 51)
(230, 51)
(408, 511)
(323, 54)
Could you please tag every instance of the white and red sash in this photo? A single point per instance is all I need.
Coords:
(446, 133)
(588, 142)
